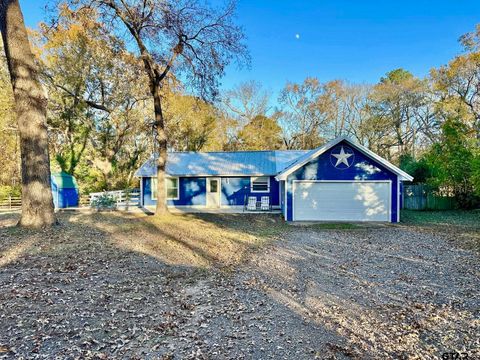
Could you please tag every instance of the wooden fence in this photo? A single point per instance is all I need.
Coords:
(11, 203)
(422, 197)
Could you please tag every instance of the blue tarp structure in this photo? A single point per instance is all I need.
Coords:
(65, 190)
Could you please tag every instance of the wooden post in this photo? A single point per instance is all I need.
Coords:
(10, 201)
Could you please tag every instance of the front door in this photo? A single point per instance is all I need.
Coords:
(213, 192)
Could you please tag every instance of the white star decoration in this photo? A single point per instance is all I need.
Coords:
(342, 157)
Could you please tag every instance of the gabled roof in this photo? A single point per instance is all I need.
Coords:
(235, 163)
(302, 160)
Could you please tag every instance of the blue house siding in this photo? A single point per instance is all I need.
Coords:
(193, 191)
(363, 168)
(235, 189)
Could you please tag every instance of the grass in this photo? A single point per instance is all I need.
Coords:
(463, 225)
(462, 218)
(334, 226)
(193, 240)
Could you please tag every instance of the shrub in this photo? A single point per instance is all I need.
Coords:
(6, 191)
(104, 201)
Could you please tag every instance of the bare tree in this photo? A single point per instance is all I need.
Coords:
(30, 108)
(303, 116)
(246, 101)
(188, 38)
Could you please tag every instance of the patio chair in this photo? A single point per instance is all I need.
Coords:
(265, 203)
(252, 203)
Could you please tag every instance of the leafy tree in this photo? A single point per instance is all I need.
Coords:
(451, 161)
(187, 37)
(402, 104)
(97, 98)
(30, 108)
(262, 133)
(458, 85)
(193, 124)
(10, 174)
(419, 169)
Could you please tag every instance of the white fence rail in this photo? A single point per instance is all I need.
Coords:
(124, 198)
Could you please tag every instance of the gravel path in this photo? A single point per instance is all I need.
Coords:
(391, 292)
(387, 292)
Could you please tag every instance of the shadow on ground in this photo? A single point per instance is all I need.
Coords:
(232, 286)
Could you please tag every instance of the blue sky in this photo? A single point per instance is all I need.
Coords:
(358, 41)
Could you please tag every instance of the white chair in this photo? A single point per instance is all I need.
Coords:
(252, 203)
(265, 203)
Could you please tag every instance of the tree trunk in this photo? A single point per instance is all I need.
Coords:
(30, 108)
(161, 145)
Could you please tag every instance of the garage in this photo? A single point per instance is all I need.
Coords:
(341, 181)
(341, 200)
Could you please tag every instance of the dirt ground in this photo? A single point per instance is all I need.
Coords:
(106, 286)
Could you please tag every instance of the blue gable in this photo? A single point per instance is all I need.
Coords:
(362, 167)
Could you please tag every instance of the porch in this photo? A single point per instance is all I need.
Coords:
(219, 210)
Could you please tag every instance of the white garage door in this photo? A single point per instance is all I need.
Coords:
(341, 201)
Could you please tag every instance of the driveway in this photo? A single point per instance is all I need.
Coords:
(388, 292)
(236, 287)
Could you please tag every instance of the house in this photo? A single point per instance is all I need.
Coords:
(340, 181)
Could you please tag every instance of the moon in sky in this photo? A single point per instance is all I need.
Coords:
(297, 36)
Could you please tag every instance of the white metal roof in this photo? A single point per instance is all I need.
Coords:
(235, 163)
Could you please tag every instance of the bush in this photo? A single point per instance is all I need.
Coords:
(6, 191)
(419, 169)
(104, 201)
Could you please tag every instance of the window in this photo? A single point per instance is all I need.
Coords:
(213, 186)
(171, 185)
(153, 186)
(172, 188)
(260, 184)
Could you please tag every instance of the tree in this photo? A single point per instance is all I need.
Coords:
(458, 84)
(10, 177)
(30, 108)
(96, 93)
(262, 133)
(452, 160)
(187, 37)
(402, 104)
(193, 124)
(303, 118)
(246, 101)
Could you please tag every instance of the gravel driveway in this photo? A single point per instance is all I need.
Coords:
(391, 292)
(82, 292)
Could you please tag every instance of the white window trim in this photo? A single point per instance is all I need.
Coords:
(166, 192)
(151, 188)
(178, 188)
(252, 179)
